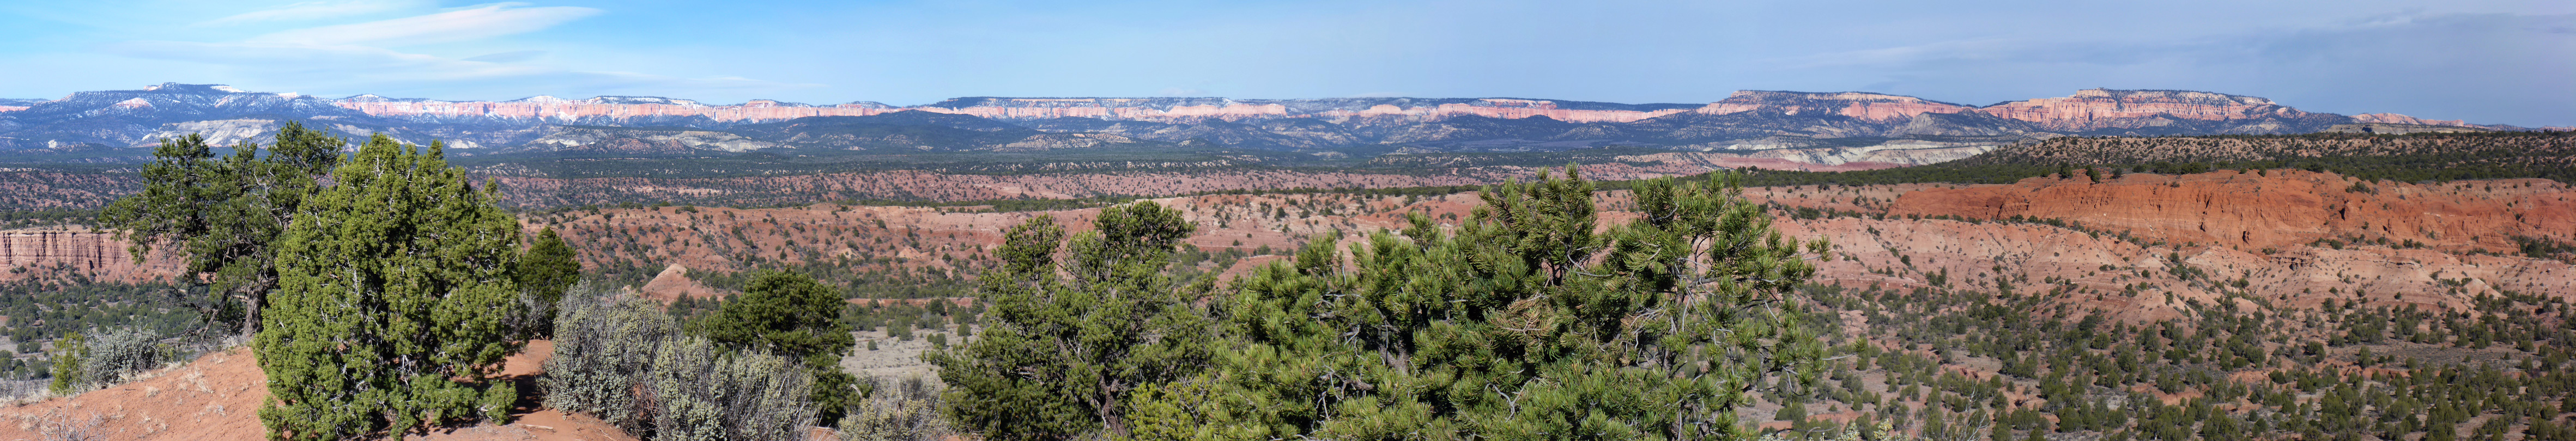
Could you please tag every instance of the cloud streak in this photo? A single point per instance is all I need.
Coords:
(445, 27)
(360, 56)
(437, 27)
(316, 10)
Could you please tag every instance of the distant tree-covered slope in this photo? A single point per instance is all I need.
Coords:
(2410, 158)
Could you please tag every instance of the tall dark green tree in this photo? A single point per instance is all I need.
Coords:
(393, 285)
(225, 214)
(1523, 324)
(1070, 337)
(791, 315)
(548, 269)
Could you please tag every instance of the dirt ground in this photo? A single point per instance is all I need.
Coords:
(218, 395)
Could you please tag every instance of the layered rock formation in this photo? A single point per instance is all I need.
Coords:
(40, 252)
(1746, 120)
(1860, 105)
(598, 110)
(619, 140)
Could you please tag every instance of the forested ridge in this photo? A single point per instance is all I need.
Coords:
(2404, 158)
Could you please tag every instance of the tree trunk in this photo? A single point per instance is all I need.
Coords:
(250, 316)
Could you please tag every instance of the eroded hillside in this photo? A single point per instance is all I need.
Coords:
(2285, 234)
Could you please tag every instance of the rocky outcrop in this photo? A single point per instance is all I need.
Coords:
(2097, 109)
(1859, 105)
(39, 252)
(222, 132)
(644, 141)
(673, 284)
(598, 110)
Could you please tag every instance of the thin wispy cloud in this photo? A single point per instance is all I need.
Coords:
(445, 27)
(369, 55)
(317, 10)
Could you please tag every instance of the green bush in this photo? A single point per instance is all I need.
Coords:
(392, 301)
(791, 315)
(66, 369)
(1527, 322)
(1068, 339)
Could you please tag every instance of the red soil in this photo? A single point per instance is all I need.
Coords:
(217, 397)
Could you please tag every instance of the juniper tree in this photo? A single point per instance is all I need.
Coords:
(392, 288)
(225, 214)
(1525, 323)
(549, 268)
(1069, 338)
(791, 315)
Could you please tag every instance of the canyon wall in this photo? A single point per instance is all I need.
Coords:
(38, 252)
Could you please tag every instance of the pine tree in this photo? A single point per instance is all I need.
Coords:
(1525, 323)
(68, 355)
(791, 315)
(1067, 341)
(226, 214)
(393, 286)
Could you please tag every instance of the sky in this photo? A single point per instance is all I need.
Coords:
(2485, 61)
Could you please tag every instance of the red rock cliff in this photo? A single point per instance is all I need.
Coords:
(30, 252)
(2278, 209)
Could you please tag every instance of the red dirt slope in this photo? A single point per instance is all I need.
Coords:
(217, 397)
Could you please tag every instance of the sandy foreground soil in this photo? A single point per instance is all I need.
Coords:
(217, 397)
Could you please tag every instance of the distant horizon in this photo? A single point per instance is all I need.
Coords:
(2491, 61)
(1676, 103)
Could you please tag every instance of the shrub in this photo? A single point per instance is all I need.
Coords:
(66, 357)
(906, 410)
(603, 349)
(704, 394)
(103, 358)
(624, 361)
(114, 355)
(791, 315)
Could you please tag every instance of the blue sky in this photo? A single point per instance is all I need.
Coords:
(2509, 62)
